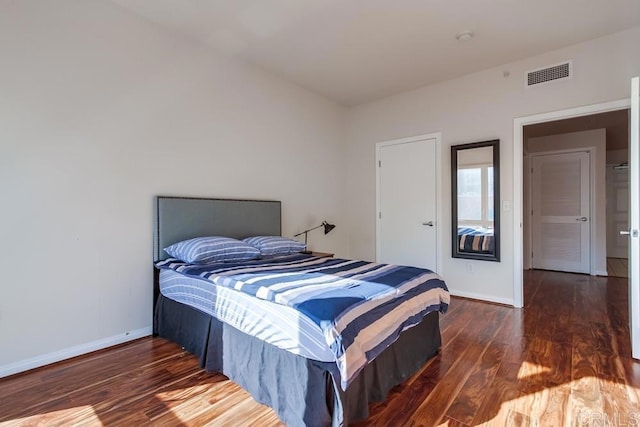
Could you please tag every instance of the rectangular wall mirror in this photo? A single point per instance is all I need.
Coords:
(475, 200)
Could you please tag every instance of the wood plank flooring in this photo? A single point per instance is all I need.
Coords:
(564, 360)
(618, 267)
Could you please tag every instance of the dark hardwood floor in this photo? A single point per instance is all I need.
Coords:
(563, 360)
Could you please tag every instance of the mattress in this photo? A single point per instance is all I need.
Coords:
(479, 240)
(361, 307)
(281, 326)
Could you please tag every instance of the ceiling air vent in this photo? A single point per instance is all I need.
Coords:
(549, 74)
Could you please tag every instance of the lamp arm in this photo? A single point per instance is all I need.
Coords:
(306, 231)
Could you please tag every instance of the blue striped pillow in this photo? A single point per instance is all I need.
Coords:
(205, 250)
(275, 245)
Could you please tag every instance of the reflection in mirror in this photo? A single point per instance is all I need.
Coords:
(475, 200)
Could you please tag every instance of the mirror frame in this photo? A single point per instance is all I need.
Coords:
(455, 252)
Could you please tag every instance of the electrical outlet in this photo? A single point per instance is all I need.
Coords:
(469, 268)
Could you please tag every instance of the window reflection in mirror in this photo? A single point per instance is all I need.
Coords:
(475, 198)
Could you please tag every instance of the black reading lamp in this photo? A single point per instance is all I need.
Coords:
(327, 228)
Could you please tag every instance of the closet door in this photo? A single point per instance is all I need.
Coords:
(561, 212)
(407, 203)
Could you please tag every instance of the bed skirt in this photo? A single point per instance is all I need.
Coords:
(302, 392)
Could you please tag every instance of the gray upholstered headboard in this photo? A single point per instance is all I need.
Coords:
(180, 218)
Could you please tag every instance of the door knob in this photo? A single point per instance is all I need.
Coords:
(429, 223)
(632, 233)
(583, 219)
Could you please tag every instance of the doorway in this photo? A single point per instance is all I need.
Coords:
(582, 247)
(556, 118)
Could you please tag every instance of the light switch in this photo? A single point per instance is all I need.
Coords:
(506, 205)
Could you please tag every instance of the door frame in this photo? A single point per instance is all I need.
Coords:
(518, 158)
(438, 141)
(593, 218)
(634, 219)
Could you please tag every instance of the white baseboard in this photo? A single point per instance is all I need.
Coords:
(482, 297)
(601, 273)
(67, 353)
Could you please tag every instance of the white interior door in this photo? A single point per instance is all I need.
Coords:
(407, 203)
(560, 212)
(634, 218)
(617, 211)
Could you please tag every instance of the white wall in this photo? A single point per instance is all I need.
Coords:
(569, 141)
(99, 112)
(479, 107)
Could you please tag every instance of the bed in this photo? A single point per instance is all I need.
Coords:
(273, 350)
(477, 240)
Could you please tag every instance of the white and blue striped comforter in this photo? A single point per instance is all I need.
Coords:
(361, 307)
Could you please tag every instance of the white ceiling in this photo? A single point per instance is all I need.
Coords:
(354, 51)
